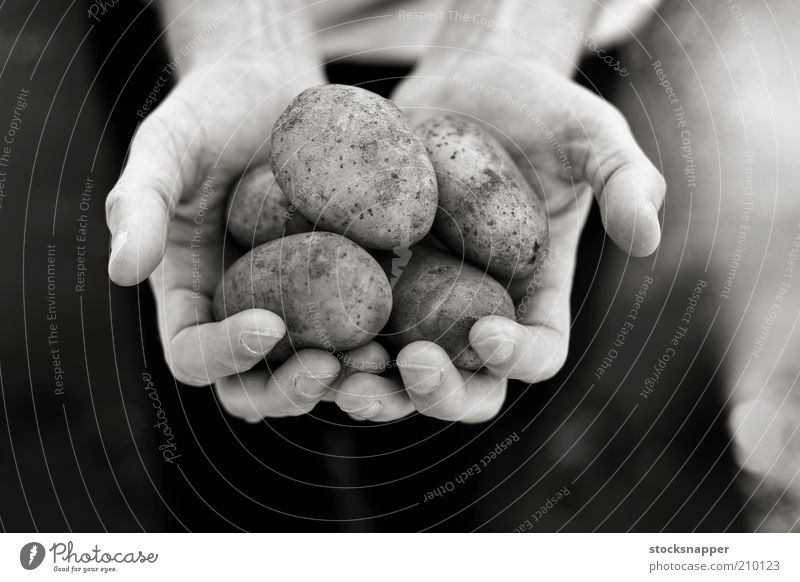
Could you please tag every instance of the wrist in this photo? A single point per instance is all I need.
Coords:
(549, 31)
(204, 33)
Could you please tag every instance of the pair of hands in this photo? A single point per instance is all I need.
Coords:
(167, 219)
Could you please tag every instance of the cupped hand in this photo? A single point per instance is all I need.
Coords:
(166, 216)
(570, 144)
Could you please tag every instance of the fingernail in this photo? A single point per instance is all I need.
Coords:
(259, 342)
(495, 349)
(312, 385)
(368, 367)
(117, 242)
(421, 379)
(368, 411)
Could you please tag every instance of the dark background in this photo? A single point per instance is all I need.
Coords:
(87, 459)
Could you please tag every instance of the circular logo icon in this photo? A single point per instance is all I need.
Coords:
(31, 555)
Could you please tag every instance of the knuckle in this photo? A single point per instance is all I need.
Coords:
(160, 128)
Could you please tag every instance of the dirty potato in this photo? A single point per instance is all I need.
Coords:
(258, 211)
(329, 291)
(350, 162)
(487, 210)
(438, 298)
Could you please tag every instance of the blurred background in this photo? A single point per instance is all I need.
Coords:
(620, 440)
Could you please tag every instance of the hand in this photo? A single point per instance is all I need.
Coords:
(569, 143)
(166, 215)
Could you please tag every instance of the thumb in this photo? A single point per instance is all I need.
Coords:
(159, 168)
(628, 187)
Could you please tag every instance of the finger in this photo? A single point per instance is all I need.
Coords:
(366, 396)
(521, 352)
(201, 354)
(436, 388)
(159, 169)
(628, 187)
(371, 358)
(535, 348)
(183, 289)
(291, 390)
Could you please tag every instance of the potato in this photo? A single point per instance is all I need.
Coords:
(350, 162)
(329, 291)
(487, 210)
(258, 211)
(438, 298)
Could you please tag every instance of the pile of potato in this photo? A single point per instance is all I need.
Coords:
(352, 192)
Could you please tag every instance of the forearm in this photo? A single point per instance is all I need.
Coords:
(201, 32)
(544, 30)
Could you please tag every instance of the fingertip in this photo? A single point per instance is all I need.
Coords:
(257, 330)
(422, 353)
(357, 394)
(635, 229)
(258, 321)
(493, 339)
(490, 402)
(490, 325)
(629, 206)
(313, 373)
(258, 342)
(359, 383)
(365, 396)
(372, 358)
(647, 234)
(130, 260)
(120, 269)
(423, 366)
(138, 237)
(509, 349)
(235, 400)
(317, 363)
